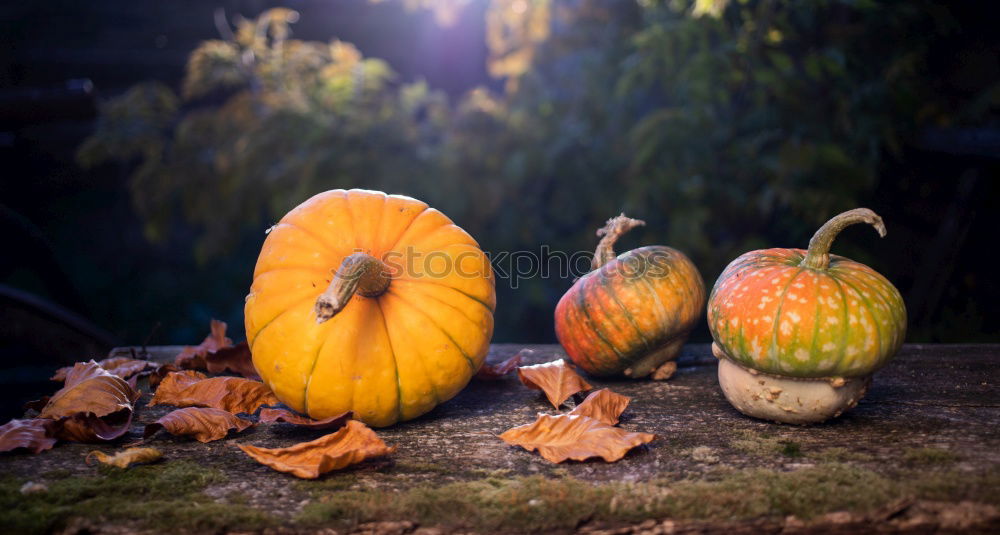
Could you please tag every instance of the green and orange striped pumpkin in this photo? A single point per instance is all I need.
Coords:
(808, 314)
(633, 312)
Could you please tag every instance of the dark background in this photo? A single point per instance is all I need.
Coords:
(723, 134)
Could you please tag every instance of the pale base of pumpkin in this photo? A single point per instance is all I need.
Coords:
(785, 399)
(660, 362)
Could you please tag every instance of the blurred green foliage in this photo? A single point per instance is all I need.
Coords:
(726, 125)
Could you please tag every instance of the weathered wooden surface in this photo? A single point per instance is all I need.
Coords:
(929, 398)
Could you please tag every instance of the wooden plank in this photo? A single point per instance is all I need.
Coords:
(933, 412)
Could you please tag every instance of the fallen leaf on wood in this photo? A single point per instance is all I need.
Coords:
(179, 380)
(565, 436)
(88, 427)
(665, 371)
(204, 424)
(603, 405)
(352, 444)
(234, 359)
(490, 371)
(35, 435)
(233, 394)
(126, 458)
(556, 379)
(161, 371)
(123, 367)
(268, 416)
(193, 357)
(90, 388)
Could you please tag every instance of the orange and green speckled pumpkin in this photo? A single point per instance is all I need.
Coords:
(808, 314)
(632, 313)
(370, 303)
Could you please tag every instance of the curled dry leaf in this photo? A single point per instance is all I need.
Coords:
(123, 367)
(90, 388)
(126, 458)
(88, 427)
(233, 394)
(352, 444)
(234, 359)
(603, 405)
(565, 436)
(156, 376)
(35, 435)
(268, 416)
(93, 405)
(556, 379)
(193, 357)
(204, 424)
(496, 371)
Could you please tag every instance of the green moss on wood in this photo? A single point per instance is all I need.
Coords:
(538, 503)
(928, 456)
(151, 497)
(838, 454)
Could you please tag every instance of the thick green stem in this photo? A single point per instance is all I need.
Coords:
(359, 273)
(613, 229)
(818, 255)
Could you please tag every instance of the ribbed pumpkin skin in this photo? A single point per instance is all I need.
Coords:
(612, 317)
(387, 358)
(771, 314)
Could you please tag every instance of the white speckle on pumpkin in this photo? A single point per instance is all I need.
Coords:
(734, 322)
(802, 354)
(799, 285)
(792, 296)
(852, 319)
(832, 320)
(785, 327)
(794, 316)
(829, 346)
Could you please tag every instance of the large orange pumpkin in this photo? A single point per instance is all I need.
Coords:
(633, 312)
(370, 303)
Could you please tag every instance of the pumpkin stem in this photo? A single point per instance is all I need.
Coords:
(818, 255)
(613, 229)
(359, 273)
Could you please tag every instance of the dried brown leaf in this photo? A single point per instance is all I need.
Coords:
(603, 405)
(352, 444)
(556, 379)
(193, 357)
(90, 388)
(204, 424)
(35, 435)
(126, 458)
(235, 359)
(88, 427)
(123, 367)
(232, 394)
(565, 436)
(161, 371)
(268, 416)
(490, 372)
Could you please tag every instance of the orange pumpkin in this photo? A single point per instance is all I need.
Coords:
(633, 312)
(370, 303)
